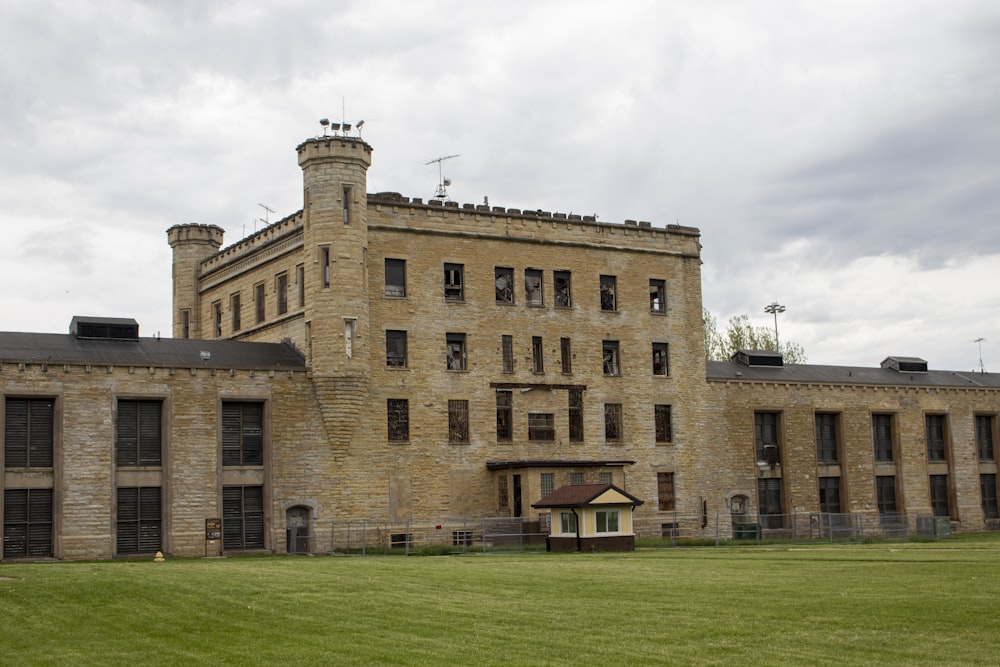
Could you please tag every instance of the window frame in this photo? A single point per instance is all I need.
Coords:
(574, 410)
(141, 530)
(985, 429)
(537, 355)
(936, 437)
(663, 428)
(28, 533)
(242, 428)
(458, 421)
(608, 521)
(506, 353)
(568, 524)
(505, 415)
(243, 517)
(534, 288)
(614, 427)
(883, 430)
(37, 447)
(609, 293)
(396, 348)
(236, 311)
(541, 427)
(939, 495)
(456, 351)
(657, 296)
(454, 282)
(827, 431)
(767, 435)
(611, 356)
(988, 495)
(397, 419)
(260, 302)
(395, 278)
(829, 494)
(562, 289)
(665, 497)
(281, 291)
(661, 359)
(503, 283)
(139, 444)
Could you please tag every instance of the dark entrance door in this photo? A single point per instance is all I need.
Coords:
(297, 531)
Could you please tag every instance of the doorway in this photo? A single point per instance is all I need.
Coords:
(297, 531)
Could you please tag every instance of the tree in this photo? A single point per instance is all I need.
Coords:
(741, 334)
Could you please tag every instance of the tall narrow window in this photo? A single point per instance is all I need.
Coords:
(533, 287)
(610, 352)
(661, 359)
(885, 496)
(395, 277)
(503, 492)
(541, 426)
(453, 282)
(507, 351)
(505, 414)
(242, 517)
(455, 351)
(547, 483)
(28, 433)
(398, 419)
(657, 296)
(939, 495)
(324, 265)
(984, 436)
(395, 349)
(609, 297)
(347, 196)
(138, 521)
(185, 323)
(563, 289)
(242, 434)
(613, 422)
(281, 287)
(935, 438)
(769, 502)
(504, 283)
(882, 437)
(258, 302)
(217, 318)
(663, 427)
(575, 410)
(829, 495)
(138, 433)
(566, 355)
(826, 438)
(567, 523)
(234, 306)
(27, 523)
(765, 426)
(300, 280)
(665, 491)
(988, 492)
(458, 421)
(537, 355)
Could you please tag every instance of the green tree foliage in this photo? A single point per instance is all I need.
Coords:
(742, 334)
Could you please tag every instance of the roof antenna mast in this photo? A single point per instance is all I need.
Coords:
(443, 183)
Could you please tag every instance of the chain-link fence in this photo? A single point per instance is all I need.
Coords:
(717, 529)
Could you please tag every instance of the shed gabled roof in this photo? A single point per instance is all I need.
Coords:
(582, 495)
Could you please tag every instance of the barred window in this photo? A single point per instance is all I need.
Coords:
(663, 427)
(612, 422)
(575, 415)
(566, 355)
(826, 438)
(882, 437)
(548, 483)
(541, 426)
(398, 419)
(507, 352)
(984, 436)
(935, 438)
(458, 421)
(504, 415)
(665, 491)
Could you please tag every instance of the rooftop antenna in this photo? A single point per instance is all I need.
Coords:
(267, 219)
(443, 183)
(979, 341)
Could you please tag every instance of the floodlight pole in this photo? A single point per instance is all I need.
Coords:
(775, 308)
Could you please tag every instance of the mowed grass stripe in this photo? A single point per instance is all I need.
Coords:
(913, 604)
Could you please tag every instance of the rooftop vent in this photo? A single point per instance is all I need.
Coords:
(905, 364)
(759, 358)
(107, 328)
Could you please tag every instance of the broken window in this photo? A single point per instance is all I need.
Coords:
(455, 351)
(507, 350)
(395, 349)
(563, 295)
(234, 305)
(533, 287)
(612, 422)
(458, 421)
(453, 282)
(611, 365)
(661, 365)
(504, 282)
(398, 419)
(663, 427)
(258, 301)
(504, 415)
(766, 436)
(537, 362)
(281, 287)
(395, 277)
(575, 415)
(657, 296)
(609, 300)
(566, 355)
(541, 426)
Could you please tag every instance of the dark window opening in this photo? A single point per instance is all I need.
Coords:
(661, 359)
(541, 426)
(612, 422)
(243, 517)
(259, 303)
(766, 436)
(395, 349)
(611, 357)
(505, 415)
(29, 433)
(455, 351)
(826, 438)
(657, 296)
(939, 495)
(664, 428)
(829, 495)
(234, 305)
(984, 436)
(563, 293)
(27, 523)
(575, 415)
(453, 282)
(609, 299)
(507, 352)
(533, 287)
(138, 524)
(281, 287)
(537, 355)
(395, 277)
(935, 438)
(885, 495)
(988, 491)
(504, 283)
(458, 421)
(242, 434)
(882, 437)
(398, 419)
(138, 433)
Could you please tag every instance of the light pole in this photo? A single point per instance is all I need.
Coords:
(774, 309)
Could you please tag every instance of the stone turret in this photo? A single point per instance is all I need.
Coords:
(192, 244)
(335, 246)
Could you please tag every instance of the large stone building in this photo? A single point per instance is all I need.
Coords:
(378, 357)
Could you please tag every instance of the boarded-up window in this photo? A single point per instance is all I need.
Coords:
(138, 433)
(242, 434)
(139, 520)
(665, 491)
(27, 523)
(28, 433)
(243, 517)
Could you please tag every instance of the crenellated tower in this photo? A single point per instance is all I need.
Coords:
(191, 245)
(335, 247)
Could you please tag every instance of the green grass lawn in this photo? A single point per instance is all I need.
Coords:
(898, 604)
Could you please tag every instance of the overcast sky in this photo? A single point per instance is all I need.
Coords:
(841, 158)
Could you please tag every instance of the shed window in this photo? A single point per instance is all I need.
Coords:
(567, 523)
(607, 521)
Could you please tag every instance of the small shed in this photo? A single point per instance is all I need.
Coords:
(590, 517)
